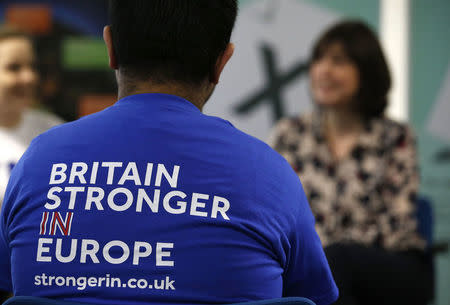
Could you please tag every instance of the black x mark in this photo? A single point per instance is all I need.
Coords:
(272, 91)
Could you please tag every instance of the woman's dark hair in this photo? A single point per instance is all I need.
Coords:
(361, 45)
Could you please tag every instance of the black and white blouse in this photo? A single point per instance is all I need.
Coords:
(368, 197)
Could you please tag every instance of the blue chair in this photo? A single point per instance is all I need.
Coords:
(22, 300)
(425, 223)
(425, 219)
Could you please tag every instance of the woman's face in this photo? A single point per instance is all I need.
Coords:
(334, 78)
(18, 77)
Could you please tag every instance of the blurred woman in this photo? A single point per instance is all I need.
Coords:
(19, 122)
(359, 171)
(18, 84)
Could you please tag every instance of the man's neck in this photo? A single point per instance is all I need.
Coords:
(196, 95)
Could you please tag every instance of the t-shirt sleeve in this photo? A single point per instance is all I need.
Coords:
(13, 191)
(307, 273)
(5, 268)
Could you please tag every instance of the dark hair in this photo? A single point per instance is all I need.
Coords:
(7, 32)
(362, 46)
(170, 40)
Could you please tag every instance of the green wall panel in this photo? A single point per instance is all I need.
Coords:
(429, 61)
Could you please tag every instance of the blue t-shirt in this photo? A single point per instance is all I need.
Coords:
(152, 201)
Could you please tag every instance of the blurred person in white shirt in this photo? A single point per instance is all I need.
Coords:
(10, 152)
(18, 84)
(19, 122)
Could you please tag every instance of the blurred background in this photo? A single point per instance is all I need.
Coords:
(267, 77)
(75, 77)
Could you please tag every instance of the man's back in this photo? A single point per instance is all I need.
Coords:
(152, 201)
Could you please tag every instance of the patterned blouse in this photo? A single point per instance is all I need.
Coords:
(368, 197)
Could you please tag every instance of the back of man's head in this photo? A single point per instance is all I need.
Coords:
(170, 40)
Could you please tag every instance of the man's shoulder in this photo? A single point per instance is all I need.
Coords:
(68, 129)
(252, 147)
(241, 146)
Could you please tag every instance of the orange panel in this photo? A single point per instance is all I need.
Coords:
(32, 18)
(94, 102)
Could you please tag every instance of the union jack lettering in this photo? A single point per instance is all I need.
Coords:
(63, 225)
(43, 223)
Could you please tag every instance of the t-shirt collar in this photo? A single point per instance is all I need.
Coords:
(152, 100)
